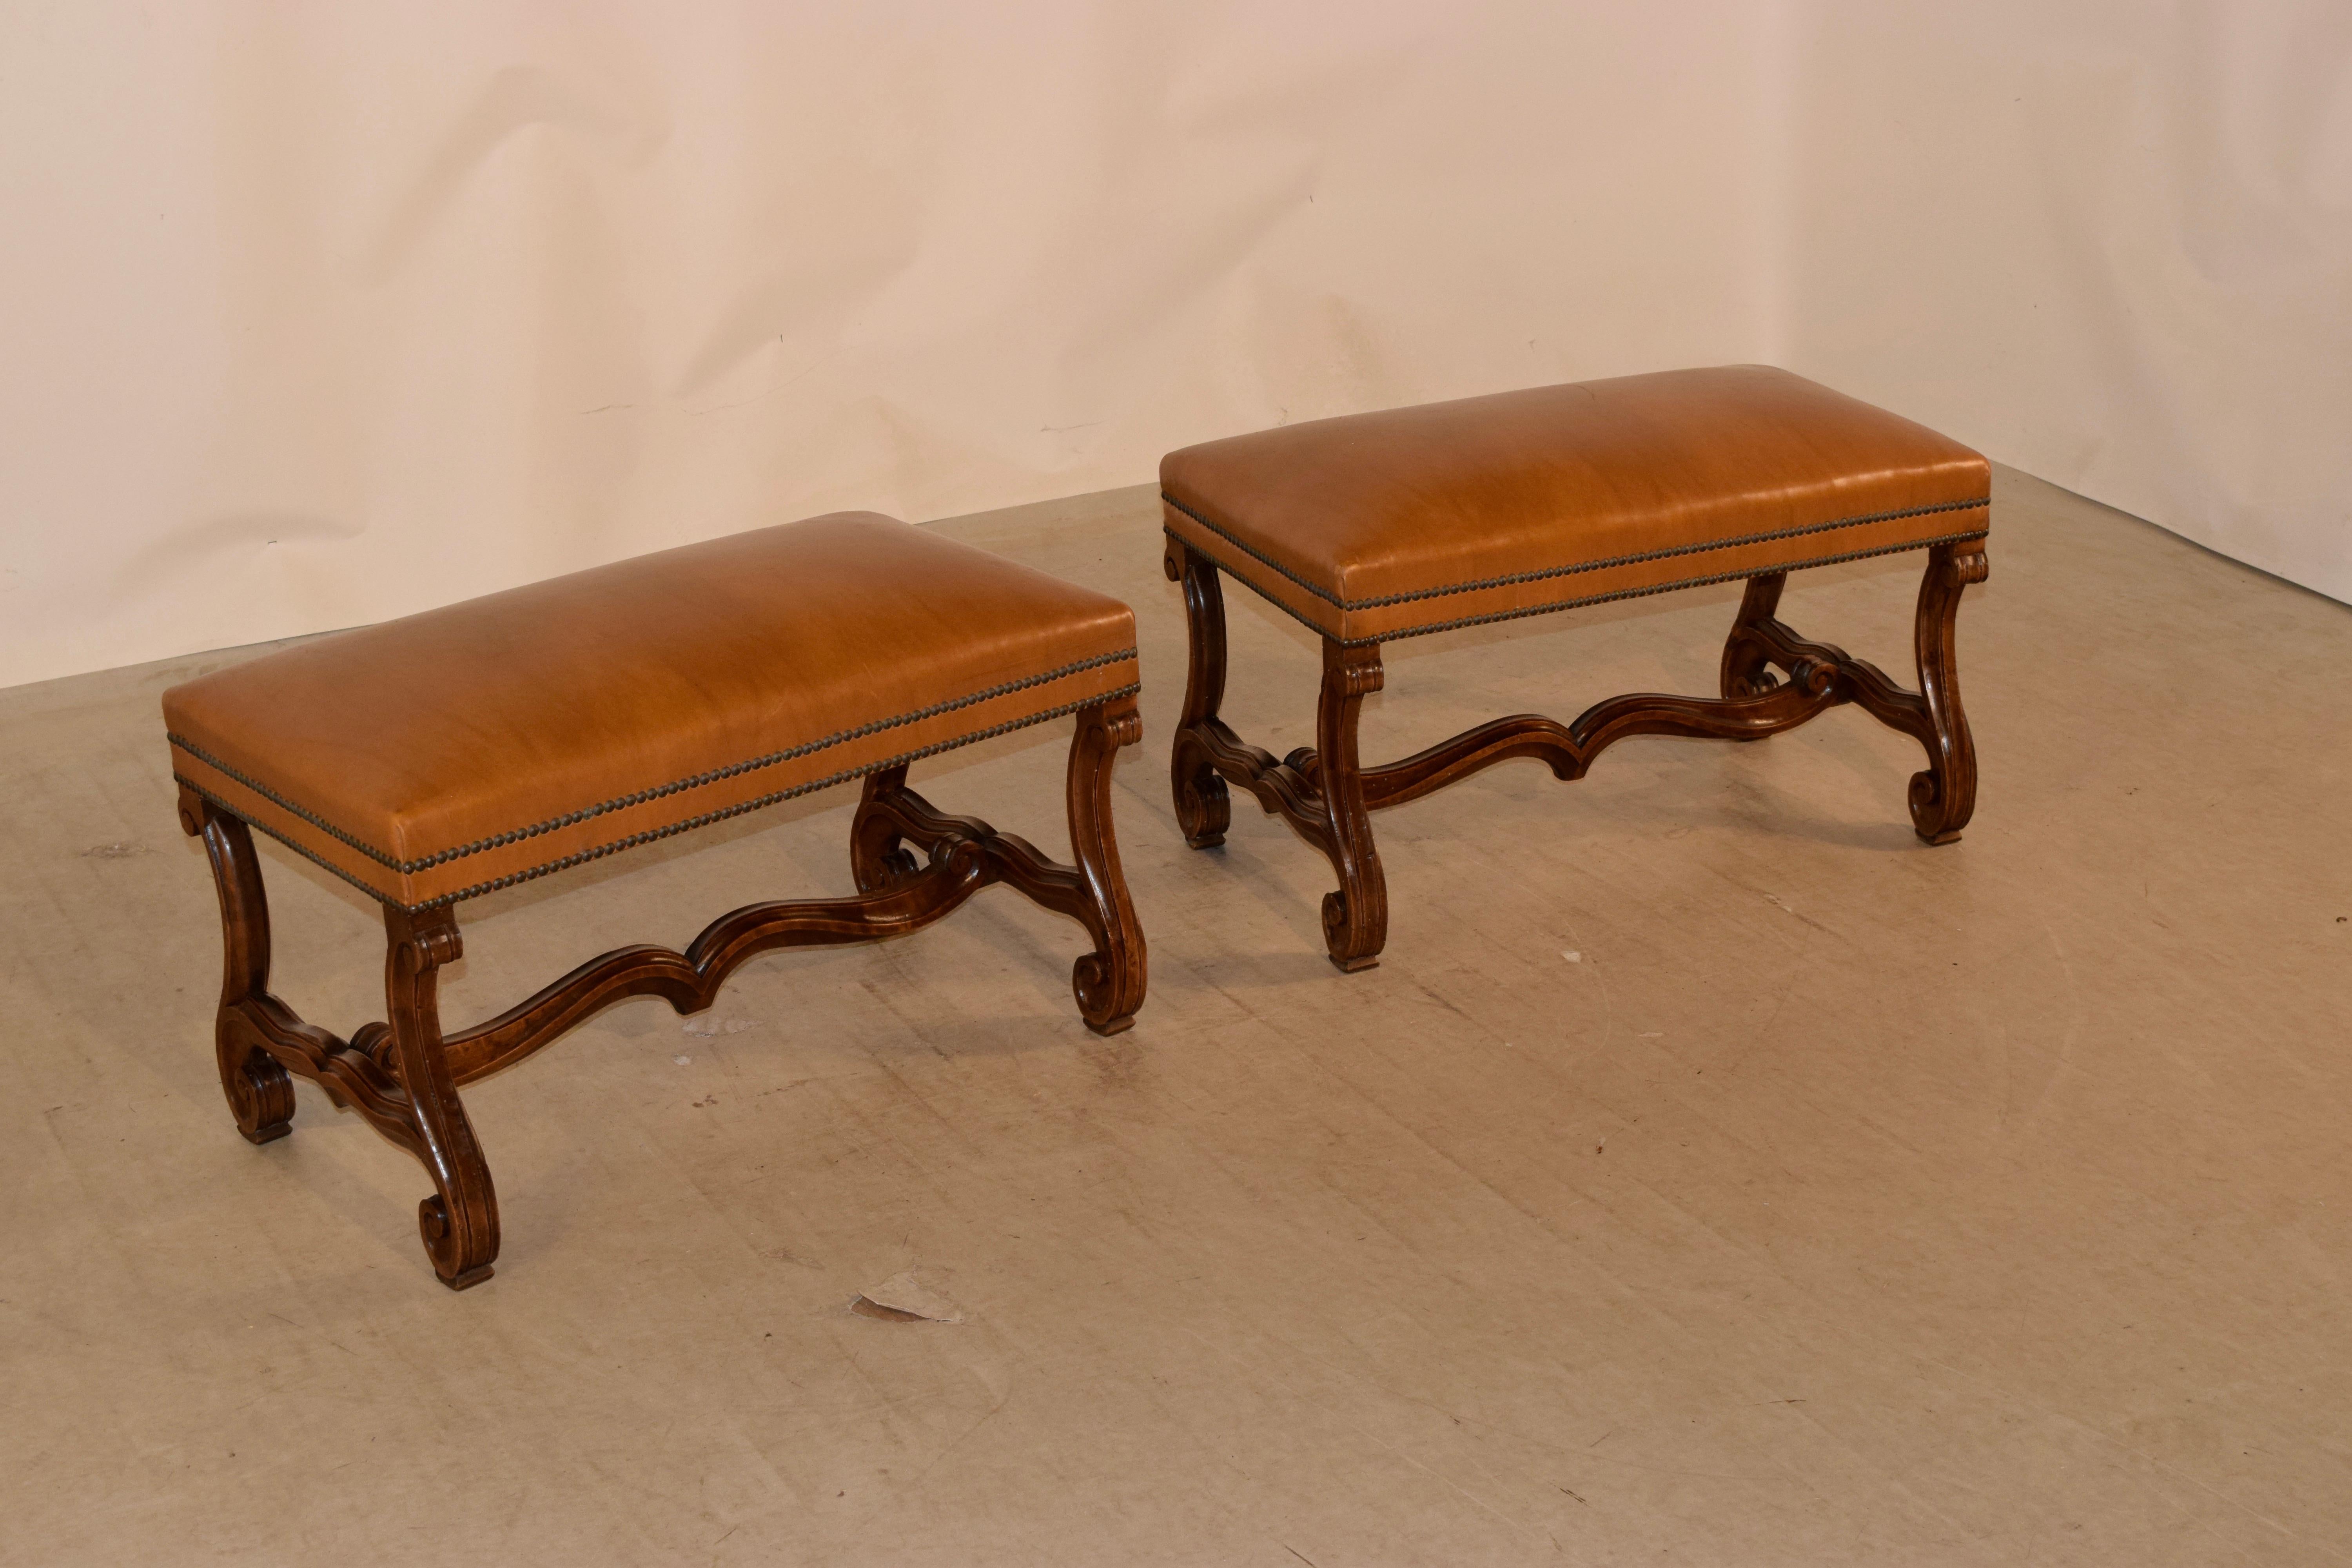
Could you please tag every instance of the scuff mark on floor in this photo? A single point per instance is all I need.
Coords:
(904, 1299)
(709, 1026)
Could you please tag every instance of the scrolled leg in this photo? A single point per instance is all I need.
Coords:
(1203, 809)
(259, 1091)
(1746, 656)
(460, 1221)
(1356, 918)
(1109, 981)
(877, 856)
(1945, 795)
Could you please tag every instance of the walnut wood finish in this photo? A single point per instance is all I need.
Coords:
(1207, 753)
(1327, 803)
(1943, 796)
(1203, 808)
(402, 1076)
(1109, 982)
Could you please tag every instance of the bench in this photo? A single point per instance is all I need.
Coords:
(1394, 524)
(429, 760)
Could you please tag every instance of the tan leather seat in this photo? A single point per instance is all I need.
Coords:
(1416, 519)
(433, 758)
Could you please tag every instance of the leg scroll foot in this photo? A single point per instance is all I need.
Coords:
(1203, 808)
(460, 1223)
(1356, 918)
(260, 1092)
(1109, 982)
(1944, 797)
(442, 1241)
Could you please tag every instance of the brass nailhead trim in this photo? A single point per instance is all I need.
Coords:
(260, 827)
(1318, 630)
(647, 836)
(1328, 598)
(408, 867)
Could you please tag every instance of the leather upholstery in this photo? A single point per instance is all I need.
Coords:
(436, 757)
(1415, 520)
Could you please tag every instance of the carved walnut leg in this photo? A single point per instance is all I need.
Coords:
(1109, 981)
(1356, 918)
(877, 856)
(1746, 656)
(1203, 809)
(260, 1092)
(967, 854)
(460, 1221)
(1943, 797)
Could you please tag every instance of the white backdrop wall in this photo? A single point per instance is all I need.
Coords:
(316, 313)
(2108, 241)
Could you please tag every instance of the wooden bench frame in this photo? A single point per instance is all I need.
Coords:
(403, 1075)
(1327, 796)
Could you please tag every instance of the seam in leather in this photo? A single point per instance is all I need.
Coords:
(685, 826)
(498, 841)
(1328, 598)
(1298, 615)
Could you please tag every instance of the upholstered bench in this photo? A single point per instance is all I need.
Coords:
(1421, 520)
(428, 759)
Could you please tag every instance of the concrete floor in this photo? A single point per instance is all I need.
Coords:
(1710, 1172)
